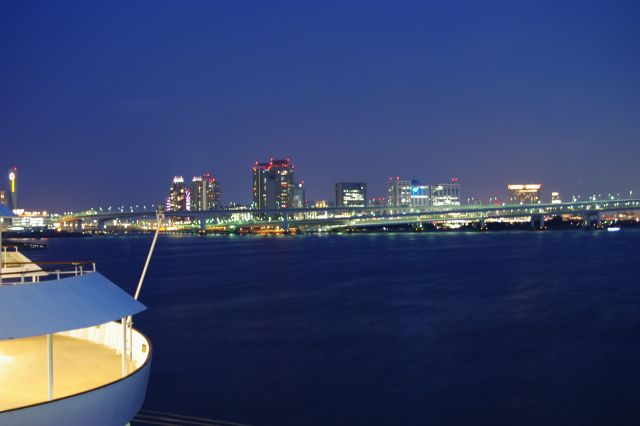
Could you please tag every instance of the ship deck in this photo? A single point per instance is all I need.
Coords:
(14, 261)
(78, 365)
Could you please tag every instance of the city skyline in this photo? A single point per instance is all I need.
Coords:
(544, 194)
(490, 93)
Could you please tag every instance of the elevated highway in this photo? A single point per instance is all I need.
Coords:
(344, 217)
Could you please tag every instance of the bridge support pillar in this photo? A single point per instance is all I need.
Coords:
(102, 225)
(285, 222)
(537, 221)
(77, 225)
(203, 226)
(592, 219)
(482, 226)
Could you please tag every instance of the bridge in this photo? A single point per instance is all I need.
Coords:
(349, 217)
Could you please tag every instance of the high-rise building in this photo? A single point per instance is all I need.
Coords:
(179, 196)
(524, 193)
(205, 193)
(420, 194)
(398, 192)
(446, 194)
(298, 200)
(351, 194)
(3, 199)
(555, 198)
(13, 187)
(260, 177)
(273, 184)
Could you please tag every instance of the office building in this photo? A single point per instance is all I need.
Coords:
(398, 192)
(420, 194)
(298, 200)
(555, 198)
(273, 184)
(205, 193)
(351, 194)
(446, 194)
(179, 196)
(524, 193)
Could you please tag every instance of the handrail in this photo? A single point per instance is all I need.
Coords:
(52, 262)
(76, 268)
(130, 374)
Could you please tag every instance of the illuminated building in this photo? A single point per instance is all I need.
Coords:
(555, 198)
(273, 184)
(351, 194)
(524, 193)
(178, 196)
(446, 194)
(3, 199)
(31, 220)
(298, 199)
(13, 187)
(420, 195)
(398, 192)
(205, 193)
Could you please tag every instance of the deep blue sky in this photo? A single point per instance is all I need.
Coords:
(103, 102)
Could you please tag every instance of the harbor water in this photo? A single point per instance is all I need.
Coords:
(495, 328)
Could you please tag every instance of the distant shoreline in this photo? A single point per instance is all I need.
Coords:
(552, 225)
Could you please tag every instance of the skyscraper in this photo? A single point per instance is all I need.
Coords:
(273, 184)
(178, 196)
(205, 193)
(351, 194)
(13, 187)
(398, 192)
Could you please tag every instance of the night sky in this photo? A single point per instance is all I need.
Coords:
(102, 103)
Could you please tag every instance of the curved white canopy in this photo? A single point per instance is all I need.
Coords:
(35, 309)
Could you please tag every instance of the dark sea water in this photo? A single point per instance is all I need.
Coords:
(518, 328)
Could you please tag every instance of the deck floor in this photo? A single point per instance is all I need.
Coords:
(78, 365)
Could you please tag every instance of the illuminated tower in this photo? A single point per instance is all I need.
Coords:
(177, 195)
(260, 172)
(205, 193)
(273, 184)
(13, 187)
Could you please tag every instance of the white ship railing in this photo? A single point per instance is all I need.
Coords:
(34, 272)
